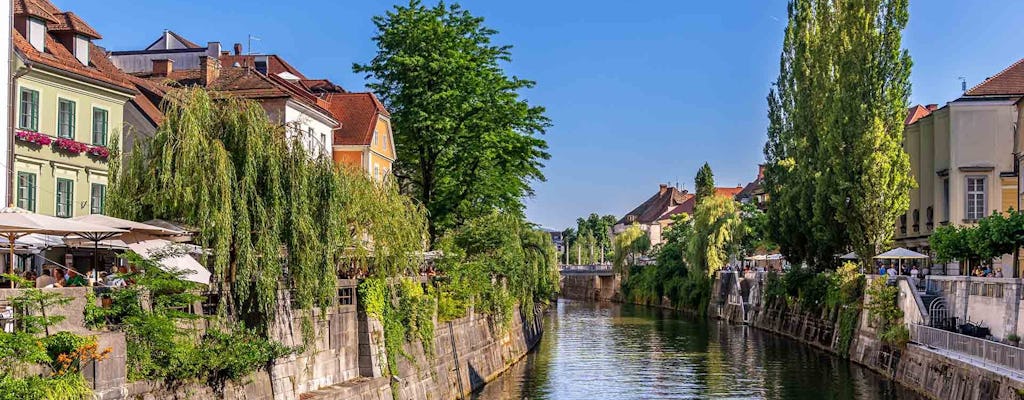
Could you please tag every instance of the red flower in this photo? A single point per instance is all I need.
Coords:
(33, 137)
(70, 146)
(99, 151)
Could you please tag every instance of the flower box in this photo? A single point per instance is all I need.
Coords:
(33, 137)
(99, 152)
(70, 146)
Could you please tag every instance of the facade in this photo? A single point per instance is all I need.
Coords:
(754, 193)
(67, 112)
(962, 158)
(365, 139)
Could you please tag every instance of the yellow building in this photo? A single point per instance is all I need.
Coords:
(67, 112)
(962, 157)
(365, 138)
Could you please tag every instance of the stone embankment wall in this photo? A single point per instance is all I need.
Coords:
(591, 286)
(346, 359)
(916, 367)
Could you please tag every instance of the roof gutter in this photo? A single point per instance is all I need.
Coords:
(72, 75)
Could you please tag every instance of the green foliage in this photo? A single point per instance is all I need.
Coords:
(836, 170)
(838, 294)
(57, 354)
(260, 202)
(165, 343)
(32, 306)
(592, 234)
(628, 246)
(467, 143)
(716, 220)
(886, 314)
(704, 183)
(993, 236)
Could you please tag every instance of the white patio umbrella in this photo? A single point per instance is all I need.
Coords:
(128, 225)
(901, 254)
(849, 256)
(17, 222)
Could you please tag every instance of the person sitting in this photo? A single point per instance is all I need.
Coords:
(45, 280)
(881, 269)
(998, 273)
(75, 279)
(977, 272)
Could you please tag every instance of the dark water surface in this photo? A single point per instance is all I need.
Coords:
(609, 351)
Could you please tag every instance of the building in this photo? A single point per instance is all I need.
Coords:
(655, 215)
(961, 156)
(365, 138)
(67, 112)
(266, 79)
(753, 192)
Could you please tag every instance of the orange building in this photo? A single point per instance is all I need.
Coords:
(365, 138)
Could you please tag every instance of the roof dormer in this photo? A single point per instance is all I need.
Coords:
(74, 34)
(31, 19)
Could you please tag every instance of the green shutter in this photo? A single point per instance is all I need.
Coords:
(28, 117)
(99, 198)
(65, 197)
(66, 119)
(27, 191)
(99, 126)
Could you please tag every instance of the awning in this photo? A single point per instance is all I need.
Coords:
(765, 257)
(176, 262)
(849, 256)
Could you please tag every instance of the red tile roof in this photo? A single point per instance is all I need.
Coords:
(1009, 81)
(358, 113)
(69, 22)
(656, 208)
(915, 113)
(35, 9)
(150, 93)
(321, 86)
(58, 57)
(729, 192)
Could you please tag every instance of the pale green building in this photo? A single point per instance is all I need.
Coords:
(67, 112)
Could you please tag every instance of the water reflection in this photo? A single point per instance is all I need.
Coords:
(608, 351)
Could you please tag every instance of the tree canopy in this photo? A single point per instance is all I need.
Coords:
(467, 143)
(836, 170)
(704, 183)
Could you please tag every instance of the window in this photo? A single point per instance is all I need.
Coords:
(27, 191)
(99, 126)
(945, 200)
(65, 197)
(376, 171)
(375, 135)
(975, 197)
(29, 114)
(66, 119)
(98, 198)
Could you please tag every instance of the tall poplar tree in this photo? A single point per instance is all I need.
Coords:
(467, 143)
(704, 183)
(836, 171)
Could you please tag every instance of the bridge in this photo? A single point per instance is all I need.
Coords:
(590, 269)
(590, 282)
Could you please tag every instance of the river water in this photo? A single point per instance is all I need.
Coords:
(593, 351)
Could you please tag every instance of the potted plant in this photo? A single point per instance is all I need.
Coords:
(1013, 339)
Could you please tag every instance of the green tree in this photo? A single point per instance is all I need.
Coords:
(628, 246)
(704, 183)
(467, 143)
(836, 171)
(868, 171)
(714, 225)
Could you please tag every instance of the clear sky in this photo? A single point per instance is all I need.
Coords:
(639, 92)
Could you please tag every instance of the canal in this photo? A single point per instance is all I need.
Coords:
(593, 351)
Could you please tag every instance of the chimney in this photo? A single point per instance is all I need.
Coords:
(932, 107)
(213, 49)
(209, 69)
(163, 67)
(662, 188)
(238, 49)
(760, 171)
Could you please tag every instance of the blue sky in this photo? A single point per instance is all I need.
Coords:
(638, 94)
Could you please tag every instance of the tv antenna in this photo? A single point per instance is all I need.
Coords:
(251, 38)
(963, 83)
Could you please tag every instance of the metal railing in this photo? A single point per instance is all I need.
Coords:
(984, 351)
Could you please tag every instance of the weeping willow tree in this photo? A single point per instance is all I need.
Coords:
(716, 219)
(495, 262)
(272, 215)
(628, 245)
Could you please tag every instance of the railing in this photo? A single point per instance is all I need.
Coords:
(586, 268)
(984, 351)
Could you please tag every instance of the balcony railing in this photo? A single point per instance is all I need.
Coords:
(984, 351)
